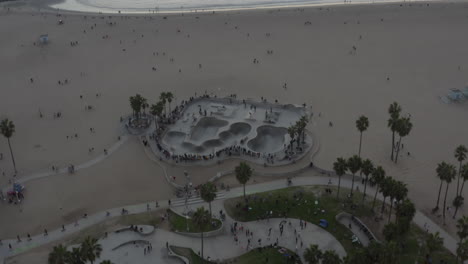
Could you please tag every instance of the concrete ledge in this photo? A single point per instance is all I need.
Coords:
(173, 254)
(143, 230)
(131, 242)
(363, 229)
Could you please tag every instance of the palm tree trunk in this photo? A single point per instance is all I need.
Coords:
(438, 197)
(375, 198)
(461, 189)
(458, 180)
(383, 204)
(393, 144)
(365, 187)
(352, 185)
(244, 192)
(12, 157)
(339, 184)
(456, 211)
(202, 244)
(397, 151)
(445, 199)
(360, 144)
(391, 207)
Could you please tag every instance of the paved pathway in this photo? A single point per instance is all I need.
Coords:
(37, 240)
(85, 165)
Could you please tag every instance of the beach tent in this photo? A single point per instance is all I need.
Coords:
(44, 39)
(323, 223)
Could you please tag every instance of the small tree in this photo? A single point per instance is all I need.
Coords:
(330, 257)
(292, 130)
(434, 243)
(462, 251)
(312, 254)
(90, 249)
(136, 103)
(243, 174)
(441, 172)
(340, 166)
(7, 129)
(75, 256)
(58, 255)
(208, 193)
(201, 219)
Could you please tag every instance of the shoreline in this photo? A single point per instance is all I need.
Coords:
(48, 6)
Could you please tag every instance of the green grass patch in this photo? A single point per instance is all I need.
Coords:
(312, 203)
(306, 203)
(181, 224)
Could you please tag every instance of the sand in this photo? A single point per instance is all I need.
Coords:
(419, 47)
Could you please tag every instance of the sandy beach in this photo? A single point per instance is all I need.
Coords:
(411, 53)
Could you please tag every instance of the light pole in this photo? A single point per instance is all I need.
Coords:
(187, 218)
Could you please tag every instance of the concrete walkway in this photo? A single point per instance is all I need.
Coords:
(39, 239)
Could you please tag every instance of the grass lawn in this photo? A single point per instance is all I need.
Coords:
(311, 203)
(179, 223)
(272, 255)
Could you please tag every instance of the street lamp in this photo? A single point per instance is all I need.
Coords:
(187, 218)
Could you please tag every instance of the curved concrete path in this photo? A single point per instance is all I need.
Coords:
(18, 247)
(85, 165)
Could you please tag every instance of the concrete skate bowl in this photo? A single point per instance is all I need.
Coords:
(207, 128)
(174, 138)
(269, 139)
(239, 129)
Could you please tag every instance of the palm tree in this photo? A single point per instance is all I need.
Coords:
(201, 218)
(208, 193)
(394, 111)
(312, 254)
(292, 133)
(399, 192)
(136, 102)
(163, 100)
(340, 166)
(354, 164)
(462, 251)
(449, 176)
(434, 243)
(391, 190)
(58, 255)
(404, 127)
(457, 203)
(377, 176)
(330, 257)
(464, 175)
(462, 227)
(385, 189)
(7, 129)
(405, 212)
(361, 124)
(169, 97)
(366, 168)
(304, 121)
(243, 174)
(157, 109)
(91, 249)
(75, 257)
(441, 171)
(460, 155)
